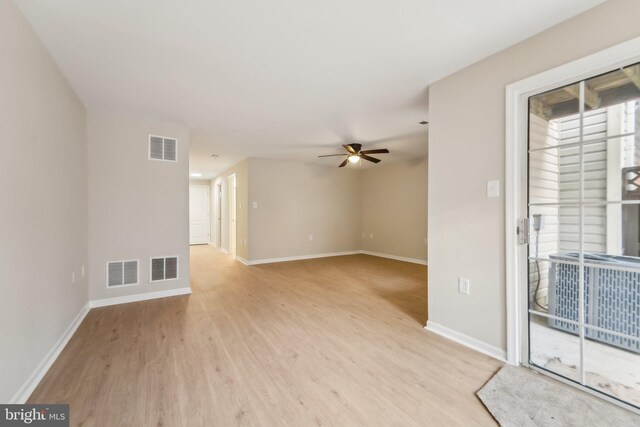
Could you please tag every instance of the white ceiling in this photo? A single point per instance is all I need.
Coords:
(280, 78)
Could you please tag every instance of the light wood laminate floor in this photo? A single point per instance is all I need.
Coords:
(333, 341)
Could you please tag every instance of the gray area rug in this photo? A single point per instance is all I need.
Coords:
(521, 397)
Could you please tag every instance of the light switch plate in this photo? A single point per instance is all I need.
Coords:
(463, 285)
(493, 188)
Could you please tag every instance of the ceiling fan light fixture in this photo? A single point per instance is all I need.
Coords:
(355, 153)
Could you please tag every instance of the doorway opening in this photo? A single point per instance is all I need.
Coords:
(573, 268)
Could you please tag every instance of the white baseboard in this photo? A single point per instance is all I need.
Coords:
(330, 254)
(467, 341)
(103, 302)
(34, 379)
(397, 258)
(298, 257)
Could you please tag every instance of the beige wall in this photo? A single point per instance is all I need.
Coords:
(467, 148)
(242, 189)
(394, 209)
(296, 200)
(138, 208)
(43, 237)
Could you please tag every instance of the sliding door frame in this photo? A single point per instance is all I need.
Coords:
(516, 161)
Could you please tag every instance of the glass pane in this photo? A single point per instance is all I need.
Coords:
(611, 170)
(612, 304)
(544, 111)
(594, 127)
(554, 348)
(612, 175)
(563, 291)
(613, 369)
(630, 224)
(558, 169)
(545, 234)
(594, 228)
(544, 178)
(612, 89)
(584, 186)
(541, 276)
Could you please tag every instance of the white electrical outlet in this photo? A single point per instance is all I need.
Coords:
(73, 278)
(371, 235)
(82, 270)
(311, 237)
(463, 285)
(255, 205)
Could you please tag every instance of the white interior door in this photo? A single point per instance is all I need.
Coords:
(232, 214)
(199, 224)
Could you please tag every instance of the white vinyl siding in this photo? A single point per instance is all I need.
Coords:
(544, 187)
(595, 185)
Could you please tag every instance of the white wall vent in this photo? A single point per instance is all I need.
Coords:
(163, 148)
(164, 268)
(122, 273)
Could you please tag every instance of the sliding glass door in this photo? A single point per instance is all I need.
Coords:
(584, 219)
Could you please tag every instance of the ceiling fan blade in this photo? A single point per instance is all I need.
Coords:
(371, 159)
(343, 164)
(333, 155)
(380, 151)
(349, 148)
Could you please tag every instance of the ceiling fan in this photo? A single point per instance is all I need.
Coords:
(354, 154)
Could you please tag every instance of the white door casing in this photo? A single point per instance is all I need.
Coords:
(219, 217)
(232, 214)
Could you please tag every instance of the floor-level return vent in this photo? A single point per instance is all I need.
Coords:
(164, 268)
(121, 273)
